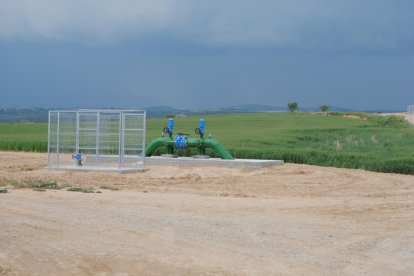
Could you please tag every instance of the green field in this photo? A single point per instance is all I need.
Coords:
(23, 137)
(364, 141)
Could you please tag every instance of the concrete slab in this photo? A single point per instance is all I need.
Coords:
(211, 162)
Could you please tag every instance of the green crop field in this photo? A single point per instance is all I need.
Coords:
(23, 137)
(376, 143)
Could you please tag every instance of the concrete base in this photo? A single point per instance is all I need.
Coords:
(169, 155)
(211, 162)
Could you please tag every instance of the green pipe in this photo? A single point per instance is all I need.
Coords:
(157, 143)
(199, 143)
(212, 144)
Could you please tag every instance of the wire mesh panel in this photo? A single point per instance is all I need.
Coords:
(410, 109)
(97, 139)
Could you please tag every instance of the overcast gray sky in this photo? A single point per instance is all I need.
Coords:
(197, 54)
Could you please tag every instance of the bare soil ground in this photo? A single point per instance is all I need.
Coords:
(291, 219)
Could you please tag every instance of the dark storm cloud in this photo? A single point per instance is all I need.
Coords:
(186, 53)
(326, 24)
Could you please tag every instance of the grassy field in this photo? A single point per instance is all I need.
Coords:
(374, 143)
(23, 137)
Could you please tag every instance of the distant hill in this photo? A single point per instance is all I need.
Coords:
(41, 114)
(13, 115)
(331, 109)
(270, 108)
(255, 108)
(384, 111)
(161, 111)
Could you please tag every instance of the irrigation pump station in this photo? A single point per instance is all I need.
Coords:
(182, 141)
(114, 140)
(171, 144)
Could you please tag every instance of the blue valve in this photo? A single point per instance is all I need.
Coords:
(78, 158)
(202, 125)
(170, 128)
(180, 142)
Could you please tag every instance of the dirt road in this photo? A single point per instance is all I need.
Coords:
(291, 219)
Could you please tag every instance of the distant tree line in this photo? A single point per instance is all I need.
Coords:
(14, 115)
(292, 106)
(40, 115)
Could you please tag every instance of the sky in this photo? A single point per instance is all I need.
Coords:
(206, 54)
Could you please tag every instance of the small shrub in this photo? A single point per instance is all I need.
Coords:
(391, 121)
(43, 184)
(109, 188)
(80, 189)
(3, 181)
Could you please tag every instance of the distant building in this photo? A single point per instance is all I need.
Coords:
(181, 115)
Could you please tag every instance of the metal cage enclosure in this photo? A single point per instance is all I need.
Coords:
(97, 139)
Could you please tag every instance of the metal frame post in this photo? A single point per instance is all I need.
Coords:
(48, 142)
(121, 141)
(57, 139)
(97, 136)
(144, 134)
(77, 133)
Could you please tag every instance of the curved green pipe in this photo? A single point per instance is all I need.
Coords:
(157, 143)
(216, 146)
(191, 142)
